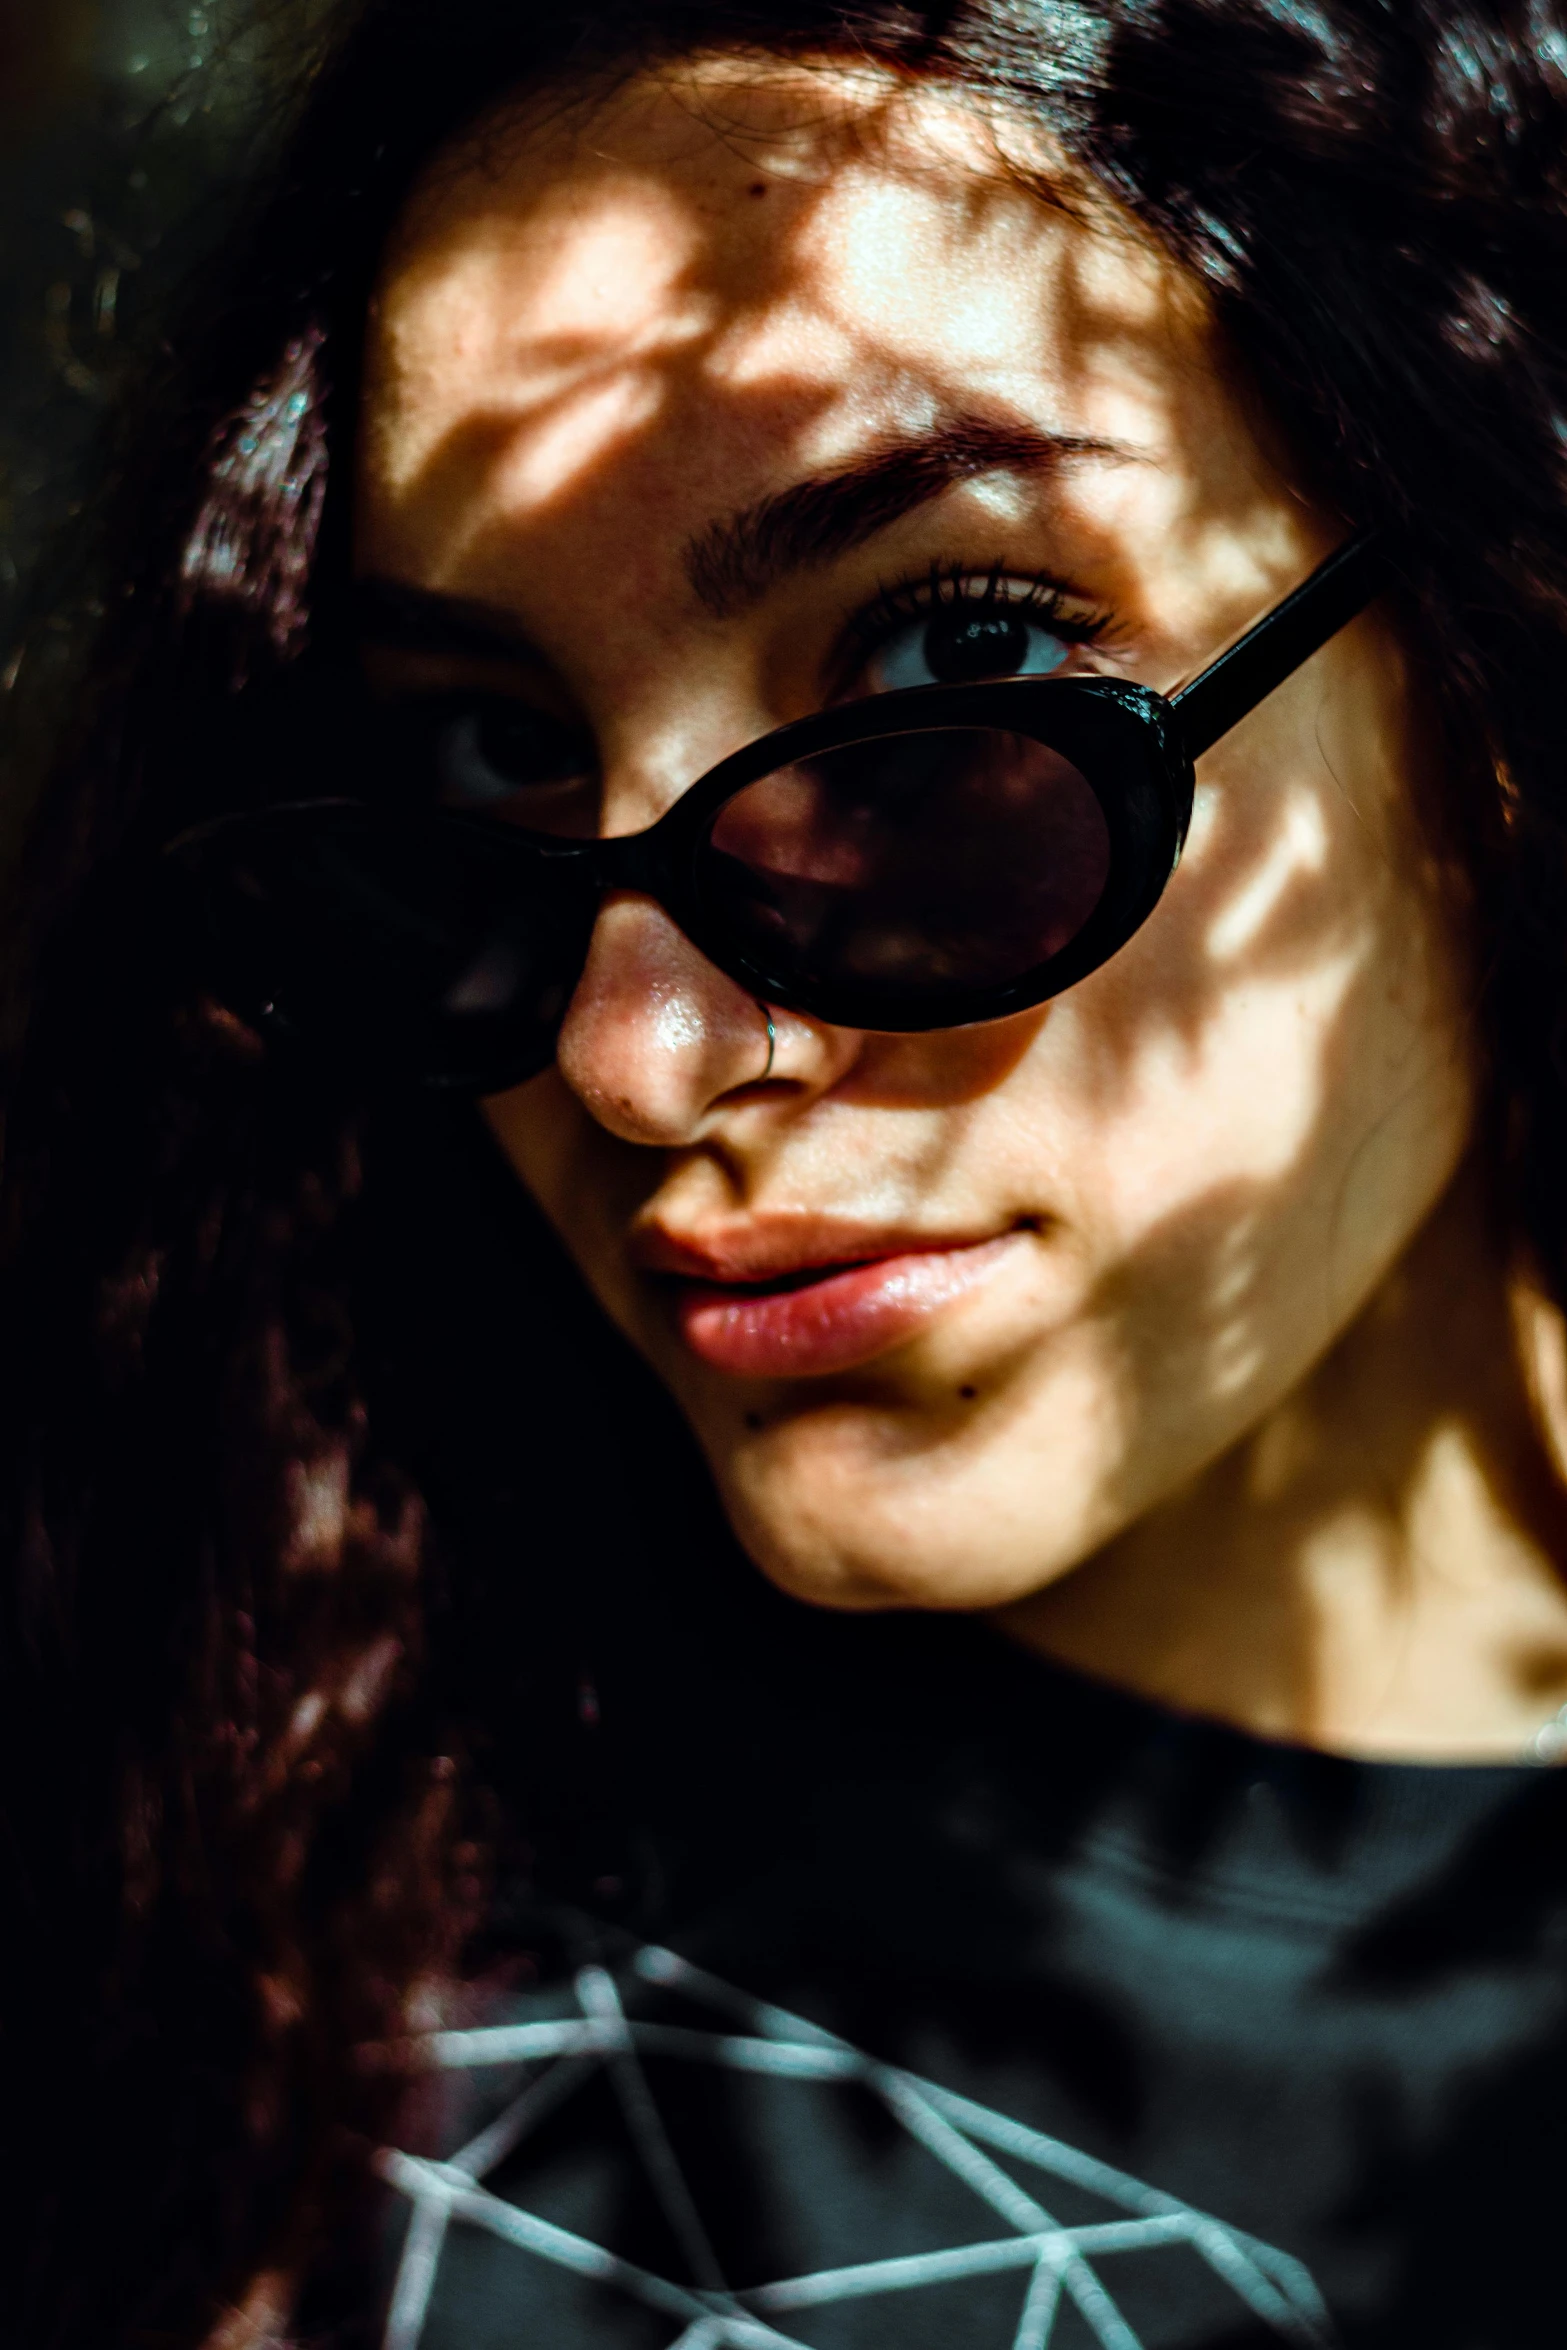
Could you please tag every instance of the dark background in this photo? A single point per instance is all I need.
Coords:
(124, 127)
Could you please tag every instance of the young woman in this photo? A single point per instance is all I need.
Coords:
(637, 752)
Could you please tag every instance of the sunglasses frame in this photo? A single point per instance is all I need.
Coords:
(1134, 747)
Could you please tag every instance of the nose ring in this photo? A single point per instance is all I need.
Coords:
(772, 1044)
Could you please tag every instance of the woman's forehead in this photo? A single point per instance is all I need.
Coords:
(649, 254)
(710, 124)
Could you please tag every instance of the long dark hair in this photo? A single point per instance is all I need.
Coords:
(245, 1708)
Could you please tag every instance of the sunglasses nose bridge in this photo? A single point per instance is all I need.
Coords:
(633, 861)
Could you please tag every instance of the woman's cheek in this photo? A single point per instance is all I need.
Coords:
(1215, 1233)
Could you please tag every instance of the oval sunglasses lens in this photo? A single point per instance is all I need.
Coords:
(953, 859)
(417, 943)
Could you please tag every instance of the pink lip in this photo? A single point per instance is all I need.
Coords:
(845, 1316)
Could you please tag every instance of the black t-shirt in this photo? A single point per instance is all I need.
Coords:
(1014, 2011)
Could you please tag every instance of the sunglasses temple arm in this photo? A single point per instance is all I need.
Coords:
(1234, 684)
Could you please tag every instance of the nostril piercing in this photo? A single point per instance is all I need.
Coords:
(772, 1043)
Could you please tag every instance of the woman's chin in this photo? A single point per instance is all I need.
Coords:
(858, 1571)
(842, 1511)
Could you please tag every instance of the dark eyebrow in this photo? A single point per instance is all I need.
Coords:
(422, 620)
(733, 562)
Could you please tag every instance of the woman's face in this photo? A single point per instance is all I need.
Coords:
(681, 419)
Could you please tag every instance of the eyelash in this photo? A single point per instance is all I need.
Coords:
(949, 585)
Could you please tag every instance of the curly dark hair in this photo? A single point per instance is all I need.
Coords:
(293, 1483)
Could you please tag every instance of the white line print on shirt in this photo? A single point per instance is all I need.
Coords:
(1057, 2259)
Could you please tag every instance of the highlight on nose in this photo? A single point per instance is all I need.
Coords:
(655, 1035)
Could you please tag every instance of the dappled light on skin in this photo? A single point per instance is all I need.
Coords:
(1206, 1160)
(580, 360)
(1300, 848)
(1420, 1522)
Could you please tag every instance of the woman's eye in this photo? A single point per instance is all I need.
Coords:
(490, 755)
(953, 644)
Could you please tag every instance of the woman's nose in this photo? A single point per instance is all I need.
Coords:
(655, 1035)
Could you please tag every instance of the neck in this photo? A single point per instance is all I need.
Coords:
(1377, 1568)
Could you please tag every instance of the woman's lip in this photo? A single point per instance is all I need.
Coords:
(830, 1319)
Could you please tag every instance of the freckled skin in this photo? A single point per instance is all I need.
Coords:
(1219, 1151)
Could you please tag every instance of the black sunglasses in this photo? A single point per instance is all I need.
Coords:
(918, 860)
